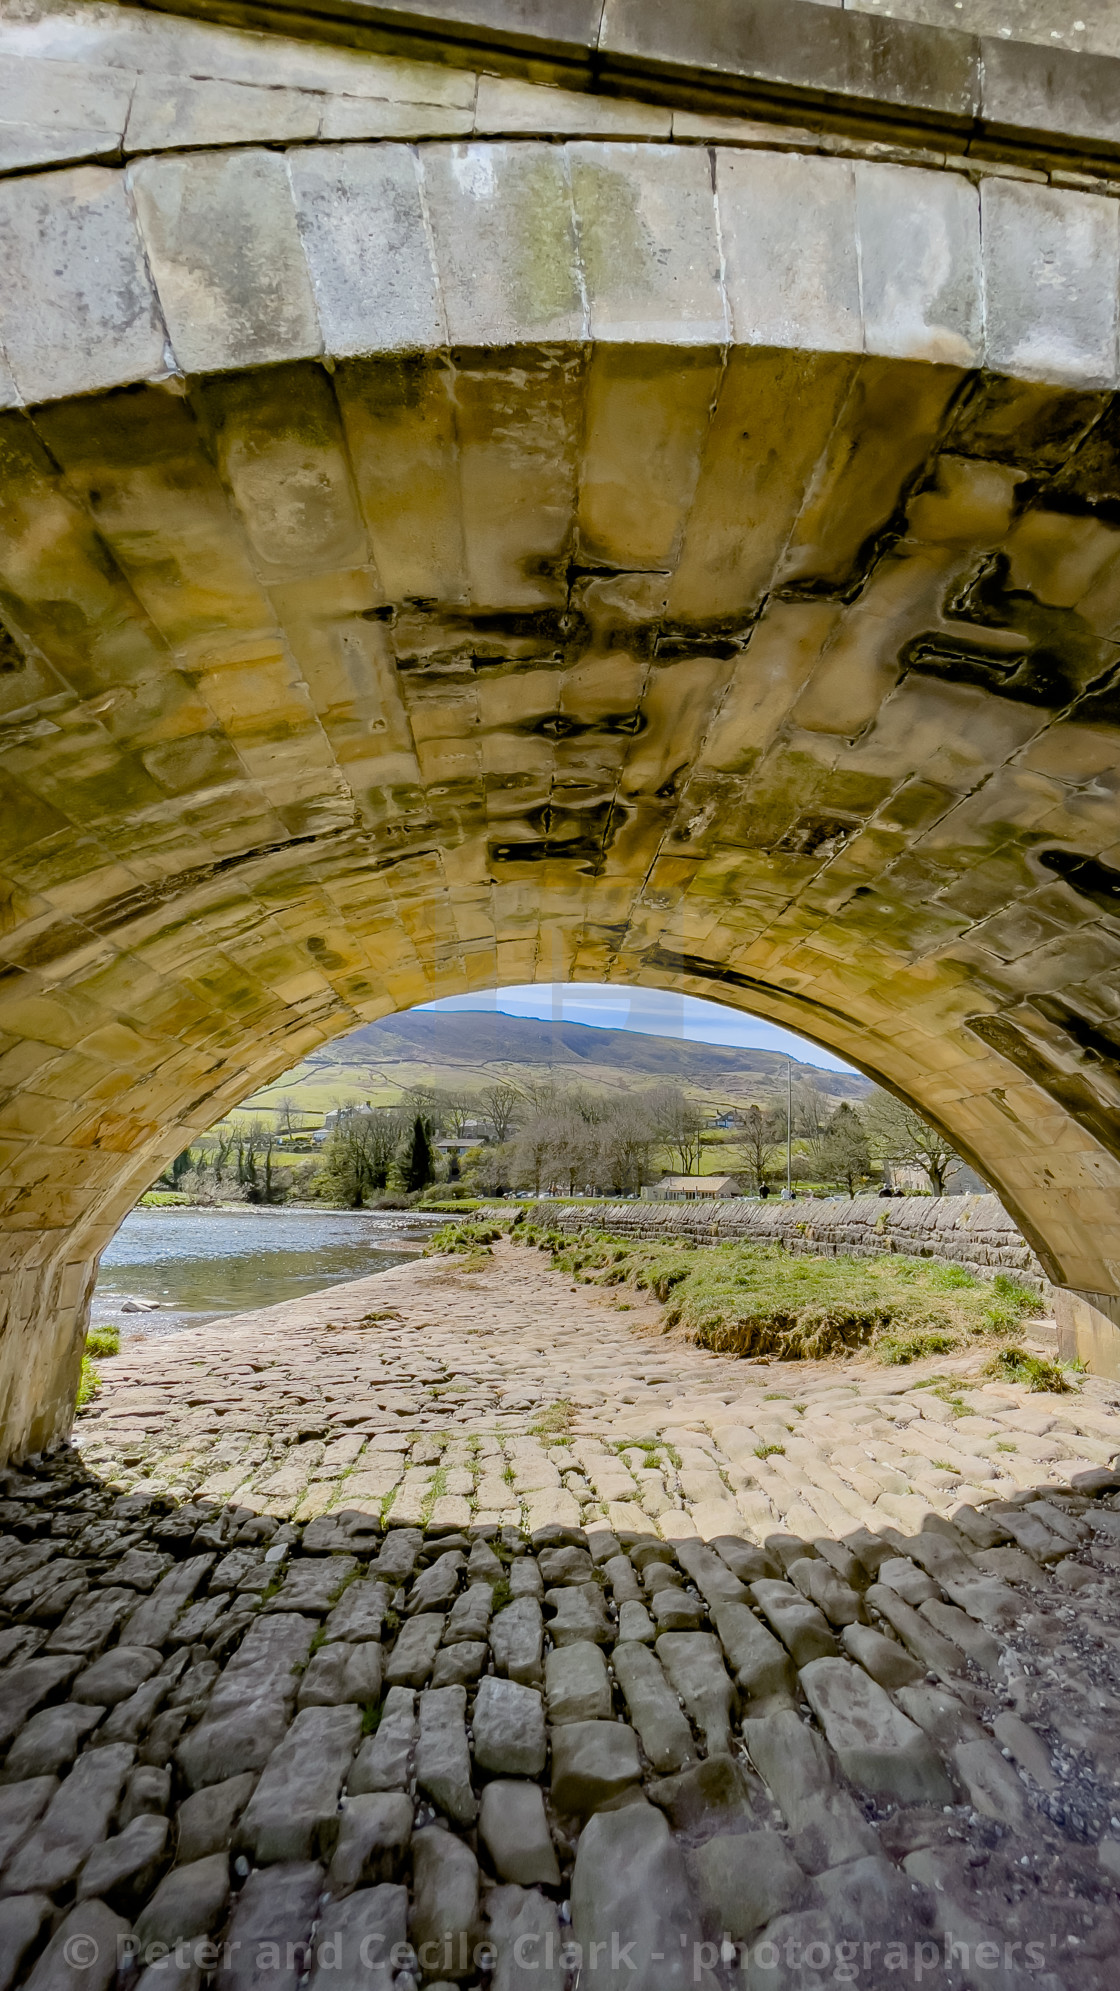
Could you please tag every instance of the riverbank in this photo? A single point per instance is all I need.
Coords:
(454, 1393)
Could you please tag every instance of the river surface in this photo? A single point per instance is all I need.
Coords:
(196, 1265)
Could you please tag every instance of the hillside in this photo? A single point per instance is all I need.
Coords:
(465, 1051)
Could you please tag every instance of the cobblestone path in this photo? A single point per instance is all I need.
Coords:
(324, 1663)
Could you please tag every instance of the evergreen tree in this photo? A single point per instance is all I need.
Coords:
(421, 1166)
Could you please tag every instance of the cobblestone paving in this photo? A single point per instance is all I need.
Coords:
(318, 1667)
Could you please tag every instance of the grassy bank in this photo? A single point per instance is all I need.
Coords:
(759, 1300)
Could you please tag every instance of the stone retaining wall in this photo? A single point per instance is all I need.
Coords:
(973, 1231)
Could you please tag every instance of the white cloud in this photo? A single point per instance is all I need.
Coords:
(653, 1012)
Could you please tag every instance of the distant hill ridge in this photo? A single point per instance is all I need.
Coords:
(485, 1038)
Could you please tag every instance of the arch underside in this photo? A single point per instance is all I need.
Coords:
(788, 679)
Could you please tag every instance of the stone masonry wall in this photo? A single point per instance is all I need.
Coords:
(973, 1231)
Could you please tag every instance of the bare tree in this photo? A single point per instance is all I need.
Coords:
(812, 1116)
(532, 1150)
(501, 1103)
(291, 1120)
(898, 1133)
(761, 1133)
(627, 1137)
(458, 1108)
(679, 1123)
(443, 1111)
(575, 1138)
(225, 1140)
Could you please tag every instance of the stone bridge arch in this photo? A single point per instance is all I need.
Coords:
(436, 552)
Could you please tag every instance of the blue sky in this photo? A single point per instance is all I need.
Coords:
(654, 1012)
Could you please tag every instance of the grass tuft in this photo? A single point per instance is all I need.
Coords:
(103, 1341)
(89, 1383)
(1015, 1365)
(897, 1349)
(472, 1240)
(555, 1421)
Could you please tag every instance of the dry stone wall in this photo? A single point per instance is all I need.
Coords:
(973, 1231)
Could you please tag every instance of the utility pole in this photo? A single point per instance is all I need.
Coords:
(789, 1128)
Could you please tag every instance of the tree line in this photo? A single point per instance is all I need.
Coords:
(559, 1139)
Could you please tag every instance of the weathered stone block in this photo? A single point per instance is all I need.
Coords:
(630, 1887)
(653, 1708)
(887, 1662)
(82, 1952)
(517, 1639)
(1050, 283)
(514, 1830)
(711, 1797)
(49, 1742)
(91, 1621)
(435, 1586)
(359, 1613)
(357, 1937)
(313, 1584)
(525, 1929)
(695, 1667)
(277, 1905)
(21, 1807)
(372, 1841)
(794, 1762)
(578, 1613)
(459, 1665)
(486, 203)
(116, 1675)
(742, 1880)
(78, 311)
(361, 219)
(382, 1762)
(21, 1918)
(341, 1672)
(153, 1621)
(919, 264)
(224, 249)
(444, 1910)
(509, 1732)
(76, 1819)
(788, 225)
(619, 1572)
(802, 1628)
(878, 1748)
(443, 1763)
(205, 1820)
(172, 112)
(576, 1683)
(55, 113)
(126, 1864)
(592, 1761)
(249, 1707)
(412, 1658)
(649, 244)
(293, 1812)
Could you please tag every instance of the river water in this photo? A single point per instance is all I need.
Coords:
(196, 1265)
